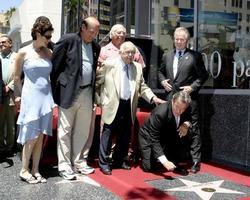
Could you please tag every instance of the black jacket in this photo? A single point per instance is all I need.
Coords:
(191, 71)
(160, 130)
(66, 73)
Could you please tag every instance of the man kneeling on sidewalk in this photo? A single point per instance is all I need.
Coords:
(163, 137)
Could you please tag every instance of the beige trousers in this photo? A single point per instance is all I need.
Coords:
(73, 131)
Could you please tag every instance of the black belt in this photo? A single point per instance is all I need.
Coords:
(124, 100)
(85, 86)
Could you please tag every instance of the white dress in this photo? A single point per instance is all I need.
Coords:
(36, 100)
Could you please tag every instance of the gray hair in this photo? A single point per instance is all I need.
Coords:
(179, 29)
(125, 46)
(115, 28)
(183, 97)
(6, 36)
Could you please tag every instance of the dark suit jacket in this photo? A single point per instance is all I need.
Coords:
(191, 71)
(160, 129)
(1, 84)
(66, 75)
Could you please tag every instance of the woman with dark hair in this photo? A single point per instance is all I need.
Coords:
(36, 102)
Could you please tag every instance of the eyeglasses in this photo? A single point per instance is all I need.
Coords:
(129, 52)
(48, 36)
(120, 33)
(180, 40)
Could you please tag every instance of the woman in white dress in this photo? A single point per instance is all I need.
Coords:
(36, 102)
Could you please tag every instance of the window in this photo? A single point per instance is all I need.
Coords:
(248, 18)
(248, 5)
(240, 3)
(247, 29)
(192, 3)
(236, 3)
(240, 17)
(176, 2)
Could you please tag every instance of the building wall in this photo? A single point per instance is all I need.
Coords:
(22, 20)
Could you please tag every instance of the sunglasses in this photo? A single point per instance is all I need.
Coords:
(48, 36)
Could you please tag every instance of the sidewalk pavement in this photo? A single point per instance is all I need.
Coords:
(56, 188)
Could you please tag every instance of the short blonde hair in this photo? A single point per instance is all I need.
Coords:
(115, 28)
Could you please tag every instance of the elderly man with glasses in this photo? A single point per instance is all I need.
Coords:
(121, 83)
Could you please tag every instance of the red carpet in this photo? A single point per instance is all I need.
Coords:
(132, 185)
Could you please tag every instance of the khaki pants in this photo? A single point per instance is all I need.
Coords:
(73, 130)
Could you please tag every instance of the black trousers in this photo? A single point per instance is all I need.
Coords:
(122, 126)
(174, 148)
(195, 134)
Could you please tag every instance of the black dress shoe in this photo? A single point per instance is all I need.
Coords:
(124, 165)
(196, 167)
(181, 170)
(106, 171)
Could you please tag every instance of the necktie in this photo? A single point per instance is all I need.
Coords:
(179, 54)
(126, 70)
(177, 121)
(125, 89)
(176, 60)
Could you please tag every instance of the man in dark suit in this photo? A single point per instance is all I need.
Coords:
(73, 80)
(162, 136)
(183, 69)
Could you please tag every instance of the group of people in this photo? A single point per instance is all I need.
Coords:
(77, 74)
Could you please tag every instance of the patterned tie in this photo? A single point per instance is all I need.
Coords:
(126, 70)
(175, 66)
(180, 55)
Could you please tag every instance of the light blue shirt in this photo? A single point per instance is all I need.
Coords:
(87, 62)
(125, 88)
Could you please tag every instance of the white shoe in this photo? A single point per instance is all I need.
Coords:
(68, 174)
(84, 170)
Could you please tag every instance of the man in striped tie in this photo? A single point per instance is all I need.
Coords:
(120, 83)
